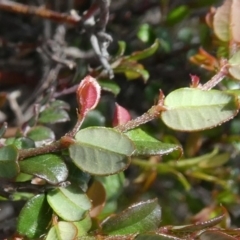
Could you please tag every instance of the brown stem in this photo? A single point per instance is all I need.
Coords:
(216, 78)
(151, 114)
(77, 126)
(15, 7)
(53, 147)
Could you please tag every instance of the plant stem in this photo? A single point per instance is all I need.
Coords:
(77, 126)
(150, 115)
(15, 7)
(53, 147)
(216, 78)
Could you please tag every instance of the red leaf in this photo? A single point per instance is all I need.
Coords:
(121, 116)
(195, 81)
(88, 95)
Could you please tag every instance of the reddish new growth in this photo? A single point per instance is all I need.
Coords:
(195, 81)
(88, 95)
(121, 116)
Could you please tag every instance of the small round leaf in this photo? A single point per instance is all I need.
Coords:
(191, 109)
(47, 166)
(101, 151)
(69, 203)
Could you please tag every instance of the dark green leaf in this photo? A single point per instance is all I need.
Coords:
(41, 133)
(78, 177)
(9, 167)
(47, 166)
(34, 218)
(191, 109)
(147, 145)
(23, 143)
(145, 53)
(177, 14)
(59, 104)
(94, 118)
(53, 115)
(69, 203)
(109, 86)
(138, 218)
(101, 151)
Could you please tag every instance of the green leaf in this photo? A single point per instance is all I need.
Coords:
(23, 143)
(145, 32)
(191, 109)
(235, 93)
(109, 86)
(145, 53)
(47, 166)
(209, 160)
(121, 48)
(101, 151)
(41, 133)
(221, 21)
(234, 68)
(177, 14)
(215, 161)
(60, 105)
(226, 20)
(34, 217)
(134, 73)
(77, 176)
(147, 145)
(138, 218)
(23, 177)
(132, 70)
(83, 226)
(63, 231)
(53, 115)
(69, 203)
(9, 167)
(94, 118)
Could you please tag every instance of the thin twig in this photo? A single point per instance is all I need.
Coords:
(66, 91)
(12, 98)
(104, 14)
(30, 152)
(216, 78)
(150, 115)
(10, 6)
